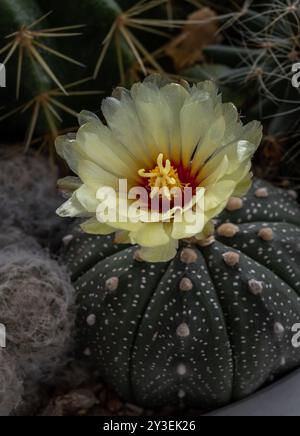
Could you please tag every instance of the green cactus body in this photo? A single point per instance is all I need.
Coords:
(210, 327)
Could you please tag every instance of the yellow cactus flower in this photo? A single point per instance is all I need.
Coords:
(166, 139)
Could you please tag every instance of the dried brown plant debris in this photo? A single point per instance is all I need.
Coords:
(199, 32)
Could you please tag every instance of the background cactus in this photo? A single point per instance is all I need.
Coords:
(28, 197)
(259, 48)
(37, 309)
(209, 327)
(40, 65)
(36, 296)
(58, 62)
(11, 384)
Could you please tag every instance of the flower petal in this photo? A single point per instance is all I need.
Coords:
(72, 209)
(97, 143)
(128, 226)
(86, 117)
(95, 177)
(253, 132)
(243, 186)
(150, 235)
(233, 124)
(67, 148)
(69, 184)
(212, 213)
(196, 116)
(123, 119)
(213, 171)
(175, 96)
(239, 154)
(87, 198)
(211, 142)
(163, 253)
(159, 112)
(188, 228)
(93, 227)
(218, 194)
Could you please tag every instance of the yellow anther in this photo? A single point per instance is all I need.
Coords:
(162, 178)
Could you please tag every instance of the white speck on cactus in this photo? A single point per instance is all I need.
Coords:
(155, 336)
(181, 369)
(91, 320)
(67, 240)
(279, 329)
(181, 394)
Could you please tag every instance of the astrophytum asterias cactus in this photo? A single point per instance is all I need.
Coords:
(209, 327)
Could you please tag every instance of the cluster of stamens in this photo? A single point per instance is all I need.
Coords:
(163, 179)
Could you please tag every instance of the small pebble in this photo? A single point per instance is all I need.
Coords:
(228, 230)
(262, 193)
(112, 284)
(181, 369)
(186, 285)
(183, 330)
(266, 234)
(231, 258)
(91, 320)
(206, 242)
(256, 287)
(188, 256)
(234, 204)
